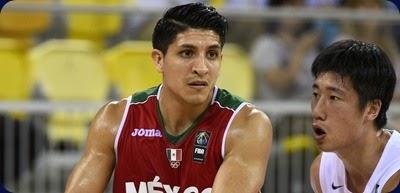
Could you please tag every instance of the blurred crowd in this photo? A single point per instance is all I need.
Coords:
(282, 56)
(280, 49)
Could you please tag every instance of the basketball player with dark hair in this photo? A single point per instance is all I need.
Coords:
(185, 135)
(353, 87)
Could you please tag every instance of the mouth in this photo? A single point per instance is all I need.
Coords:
(198, 84)
(319, 132)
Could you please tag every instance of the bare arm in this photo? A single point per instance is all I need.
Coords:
(247, 147)
(314, 175)
(93, 171)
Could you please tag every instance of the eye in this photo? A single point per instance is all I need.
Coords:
(212, 54)
(314, 94)
(186, 53)
(335, 98)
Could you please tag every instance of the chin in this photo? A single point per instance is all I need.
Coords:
(325, 148)
(196, 100)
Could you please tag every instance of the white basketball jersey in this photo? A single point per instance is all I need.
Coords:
(332, 173)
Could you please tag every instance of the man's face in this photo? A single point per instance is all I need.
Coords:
(191, 65)
(338, 121)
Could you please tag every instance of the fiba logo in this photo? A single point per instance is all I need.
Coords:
(2, 3)
(200, 146)
(202, 138)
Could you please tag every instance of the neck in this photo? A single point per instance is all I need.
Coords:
(361, 158)
(179, 115)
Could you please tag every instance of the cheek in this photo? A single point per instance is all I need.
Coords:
(347, 121)
(342, 115)
(215, 69)
(174, 70)
(215, 72)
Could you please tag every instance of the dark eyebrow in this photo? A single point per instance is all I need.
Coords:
(187, 46)
(330, 88)
(190, 46)
(336, 89)
(215, 46)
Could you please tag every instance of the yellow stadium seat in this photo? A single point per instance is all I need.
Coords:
(14, 71)
(298, 143)
(69, 70)
(22, 24)
(217, 3)
(236, 74)
(68, 128)
(93, 26)
(131, 68)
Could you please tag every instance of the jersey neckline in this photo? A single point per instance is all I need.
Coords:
(176, 139)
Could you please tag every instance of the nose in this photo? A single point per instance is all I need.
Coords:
(200, 66)
(318, 109)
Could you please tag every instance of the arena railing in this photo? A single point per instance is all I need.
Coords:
(45, 169)
(332, 13)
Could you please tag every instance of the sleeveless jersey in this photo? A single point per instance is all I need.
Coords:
(332, 172)
(147, 162)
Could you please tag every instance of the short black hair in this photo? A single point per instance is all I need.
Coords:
(180, 18)
(370, 70)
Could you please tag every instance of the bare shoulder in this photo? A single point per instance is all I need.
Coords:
(105, 125)
(392, 183)
(92, 172)
(109, 116)
(250, 124)
(314, 174)
(251, 119)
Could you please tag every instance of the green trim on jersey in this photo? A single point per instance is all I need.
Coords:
(173, 138)
(226, 99)
(143, 95)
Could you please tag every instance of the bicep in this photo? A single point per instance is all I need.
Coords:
(93, 171)
(91, 174)
(244, 167)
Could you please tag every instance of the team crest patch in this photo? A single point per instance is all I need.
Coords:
(174, 156)
(200, 146)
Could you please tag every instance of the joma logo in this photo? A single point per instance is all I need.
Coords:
(141, 132)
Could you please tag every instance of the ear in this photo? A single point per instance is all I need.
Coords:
(158, 59)
(374, 108)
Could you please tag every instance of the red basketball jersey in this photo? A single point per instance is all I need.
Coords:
(148, 162)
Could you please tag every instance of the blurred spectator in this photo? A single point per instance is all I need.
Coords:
(243, 31)
(322, 3)
(240, 4)
(282, 58)
(371, 30)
